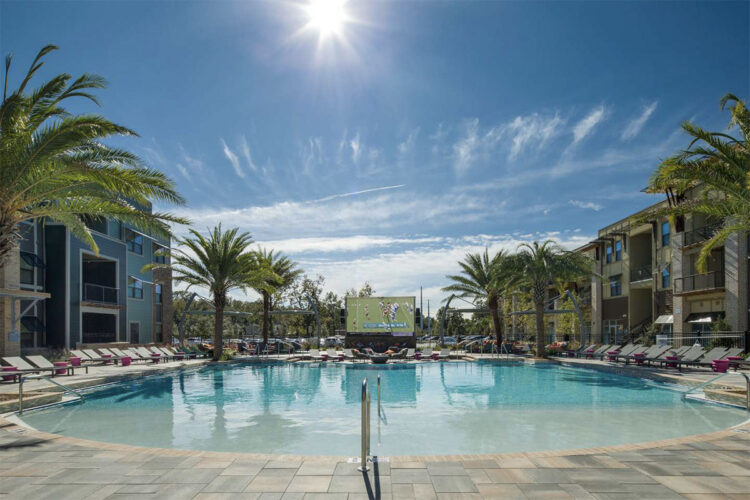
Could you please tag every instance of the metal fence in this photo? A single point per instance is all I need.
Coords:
(708, 339)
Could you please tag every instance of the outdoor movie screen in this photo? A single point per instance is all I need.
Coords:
(380, 315)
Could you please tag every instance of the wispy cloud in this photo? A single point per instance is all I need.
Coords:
(590, 205)
(473, 144)
(363, 191)
(634, 127)
(584, 127)
(232, 157)
(531, 130)
(355, 144)
(245, 149)
(406, 146)
(311, 154)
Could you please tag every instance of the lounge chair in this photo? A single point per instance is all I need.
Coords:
(444, 354)
(410, 353)
(178, 355)
(427, 354)
(42, 362)
(132, 355)
(314, 354)
(400, 354)
(621, 351)
(21, 367)
(148, 353)
(333, 355)
(600, 351)
(688, 356)
(570, 353)
(643, 352)
(708, 358)
(348, 354)
(85, 358)
(95, 356)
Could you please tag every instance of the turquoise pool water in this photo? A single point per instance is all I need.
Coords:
(430, 408)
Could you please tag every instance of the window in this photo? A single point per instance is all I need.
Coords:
(157, 293)
(135, 288)
(665, 234)
(665, 277)
(159, 259)
(135, 332)
(615, 286)
(158, 333)
(134, 241)
(618, 250)
(609, 254)
(27, 272)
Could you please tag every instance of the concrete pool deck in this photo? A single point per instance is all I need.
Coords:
(37, 465)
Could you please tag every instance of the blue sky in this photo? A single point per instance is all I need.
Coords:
(421, 131)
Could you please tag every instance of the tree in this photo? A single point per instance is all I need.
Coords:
(219, 262)
(365, 291)
(539, 266)
(283, 273)
(484, 279)
(54, 165)
(718, 161)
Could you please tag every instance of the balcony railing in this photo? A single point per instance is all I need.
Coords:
(700, 234)
(100, 294)
(705, 281)
(643, 273)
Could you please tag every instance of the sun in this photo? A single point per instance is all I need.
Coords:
(327, 16)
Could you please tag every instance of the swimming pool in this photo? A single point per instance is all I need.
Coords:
(429, 408)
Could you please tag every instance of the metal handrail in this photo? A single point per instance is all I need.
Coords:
(711, 381)
(65, 388)
(365, 432)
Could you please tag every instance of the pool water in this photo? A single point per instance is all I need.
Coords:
(428, 408)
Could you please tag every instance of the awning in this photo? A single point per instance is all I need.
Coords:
(664, 319)
(32, 259)
(140, 279)
(708, 317)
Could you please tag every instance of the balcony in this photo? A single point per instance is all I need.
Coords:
(641, 274)
(100, 294)
(699, 235)
(698, 282)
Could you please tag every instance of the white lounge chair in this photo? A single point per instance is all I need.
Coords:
(22, 366)
(44, 363)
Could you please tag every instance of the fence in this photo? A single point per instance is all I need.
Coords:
(708, 340)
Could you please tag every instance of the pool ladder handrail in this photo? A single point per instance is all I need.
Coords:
(65, 388)
(365, 431)
(714, 379)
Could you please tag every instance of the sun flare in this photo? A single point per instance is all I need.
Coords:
(327, 16)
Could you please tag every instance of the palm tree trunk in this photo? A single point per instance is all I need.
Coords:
(266, 315)
(541, 336)
(218, 332)
(496, 323)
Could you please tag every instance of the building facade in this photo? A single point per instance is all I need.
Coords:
(93, 298)
(647, 275)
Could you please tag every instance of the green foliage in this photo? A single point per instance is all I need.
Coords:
(53, 164)
(719, 162)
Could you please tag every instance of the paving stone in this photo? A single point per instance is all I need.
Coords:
(187, 476)
(326, 496)
(446, 469)
(577, 491)
(545, 491)
(480, 464)
(269, 484)
(505, 491)
(228, 484)
(453, 484)
(225, 496)
(309, 484)
(424, 492)
(410, 476)
(317, 469)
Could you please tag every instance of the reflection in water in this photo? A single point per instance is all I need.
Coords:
(431, 408)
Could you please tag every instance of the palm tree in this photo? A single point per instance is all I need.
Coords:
(54, 165)
(539, 266)
(484, 279)
(219, 262)
(718, 161)
(284, 271)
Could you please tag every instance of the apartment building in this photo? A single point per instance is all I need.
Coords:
(647, 273)
(60, 294)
